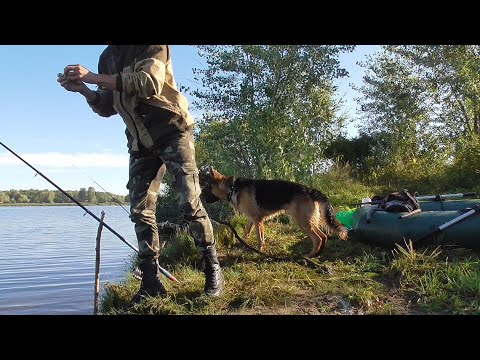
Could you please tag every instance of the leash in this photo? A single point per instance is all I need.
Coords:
(251, 248)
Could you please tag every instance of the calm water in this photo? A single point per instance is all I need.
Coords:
(47, 257)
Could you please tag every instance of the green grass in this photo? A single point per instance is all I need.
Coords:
(348, 278)
(440, 282)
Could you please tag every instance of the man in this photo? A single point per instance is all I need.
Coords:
(137, 82)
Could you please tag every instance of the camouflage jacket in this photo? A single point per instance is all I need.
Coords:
(145, 83)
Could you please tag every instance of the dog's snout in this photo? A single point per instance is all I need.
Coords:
(205, 175)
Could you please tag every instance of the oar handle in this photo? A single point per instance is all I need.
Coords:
(474, 210)
(449, 223)
(441, 197)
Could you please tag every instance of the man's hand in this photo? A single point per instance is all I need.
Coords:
(79, 73)
(68, 84)
(74, 78)
(76, 86)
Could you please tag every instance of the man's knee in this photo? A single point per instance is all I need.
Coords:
(192, 210)
(142, 215)
(143, 205)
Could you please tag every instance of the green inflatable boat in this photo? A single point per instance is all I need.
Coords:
(447, 222)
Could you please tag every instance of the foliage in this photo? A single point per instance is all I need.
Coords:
(82, 195)
(358, 153)
(269, 109)
(465, 170)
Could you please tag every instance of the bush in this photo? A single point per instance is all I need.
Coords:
(465, 170)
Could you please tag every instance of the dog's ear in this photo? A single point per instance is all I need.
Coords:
(216, 176)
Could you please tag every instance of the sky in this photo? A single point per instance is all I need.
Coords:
(57, 132)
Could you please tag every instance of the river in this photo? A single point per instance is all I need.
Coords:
(47, 257)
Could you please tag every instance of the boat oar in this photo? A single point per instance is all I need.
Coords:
(438, 197)
(441, 197)
(439, 229)
(162, 270)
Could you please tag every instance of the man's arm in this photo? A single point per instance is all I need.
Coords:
(146, 80)
(148, 76)
(74, 78)
(89, 95)
(80, 73)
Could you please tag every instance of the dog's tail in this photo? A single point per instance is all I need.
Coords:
(327, 215)
(332, 222)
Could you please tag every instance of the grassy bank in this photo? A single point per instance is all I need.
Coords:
(348, 278)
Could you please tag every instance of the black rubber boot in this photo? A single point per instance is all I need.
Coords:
(213, 273)
(151, 283)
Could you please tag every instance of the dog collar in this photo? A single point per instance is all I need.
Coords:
(230, 193)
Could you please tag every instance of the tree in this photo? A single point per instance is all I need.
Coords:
(14, 196)
(82, 195)
(420, 99)
(73, 194)
(59, 197)
(91, 198)
(393, 104)
(269, 109)
(23, 198)
(47, 196)
(452, 78)
(359, 152)
(34, 196)
(4, 198)
(102, 197)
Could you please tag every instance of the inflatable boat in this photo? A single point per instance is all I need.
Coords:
(445, 222)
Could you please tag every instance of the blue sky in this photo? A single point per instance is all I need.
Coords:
(57, 132)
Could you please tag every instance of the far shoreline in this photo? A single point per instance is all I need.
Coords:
(57, 204)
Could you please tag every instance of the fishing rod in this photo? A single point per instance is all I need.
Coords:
(137, 273)
(162, 270)
(113, 198)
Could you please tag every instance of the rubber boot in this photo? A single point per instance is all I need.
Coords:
(214, 282)
(151, 283)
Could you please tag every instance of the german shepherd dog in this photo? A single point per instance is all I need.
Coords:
(261, 200)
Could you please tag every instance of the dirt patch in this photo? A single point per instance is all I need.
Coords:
(309, 303)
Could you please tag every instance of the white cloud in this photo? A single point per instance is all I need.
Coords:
(62, 160)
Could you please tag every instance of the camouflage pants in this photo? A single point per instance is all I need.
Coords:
(177, 155)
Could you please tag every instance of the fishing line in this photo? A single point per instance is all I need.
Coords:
(162, 270)
(101, 187)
